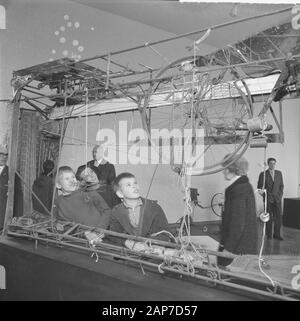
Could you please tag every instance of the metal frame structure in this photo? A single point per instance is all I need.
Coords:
(76, 83)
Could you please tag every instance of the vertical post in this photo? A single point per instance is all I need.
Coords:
(107, 72)
(13, 154)
(281, 123)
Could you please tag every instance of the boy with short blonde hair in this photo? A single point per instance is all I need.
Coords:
(77, 205)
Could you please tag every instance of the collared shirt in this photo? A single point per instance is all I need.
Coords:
(98, 162)
(102, 161)
(1, 169)
(272, 172)
(134, 212)
(230, 182)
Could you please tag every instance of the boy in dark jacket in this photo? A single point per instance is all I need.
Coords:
(136, 215)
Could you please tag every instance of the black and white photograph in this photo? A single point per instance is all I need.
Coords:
(149, 153)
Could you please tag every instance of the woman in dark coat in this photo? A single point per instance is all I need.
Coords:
(239, 222)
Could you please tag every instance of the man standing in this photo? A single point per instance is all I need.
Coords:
(274, 187)
(105, 171)
(3, 184)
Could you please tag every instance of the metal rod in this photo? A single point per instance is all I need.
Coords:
(275, 119)
(119, 65)
(13, 154)
(281, 121)
(36, 108)
(189, 34)
(125, 250)
(33, 193)
(59, 153)
(169, 269)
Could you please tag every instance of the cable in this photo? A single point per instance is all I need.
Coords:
(260, 258)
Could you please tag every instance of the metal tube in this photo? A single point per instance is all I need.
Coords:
(199, 277)
(188, 34)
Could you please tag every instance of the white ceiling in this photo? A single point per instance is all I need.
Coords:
(180, 18)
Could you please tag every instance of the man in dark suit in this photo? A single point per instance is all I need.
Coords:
(105, 171)
(274, 188)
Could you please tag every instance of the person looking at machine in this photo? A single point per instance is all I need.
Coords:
(239, 221)
(136, 215)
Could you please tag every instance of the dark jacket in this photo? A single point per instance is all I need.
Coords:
(239, 222)
(18, 196)
(87, 208)
(154, 220)
(43, 188)
(274, 188)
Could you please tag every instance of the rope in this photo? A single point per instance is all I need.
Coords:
(59, 153)
(86, 125)
(260, 258)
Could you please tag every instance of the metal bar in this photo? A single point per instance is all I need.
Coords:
(154, 80)
(71, 229)
(125, 251)
(107, 72)
(13, 156)
(189, 34)
(37, 108)
(169, 269)
(33, 193)
(275, 119)
(34, 92)
(119, 65)
(281, 121)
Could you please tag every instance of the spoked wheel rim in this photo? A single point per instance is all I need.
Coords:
(215, 102)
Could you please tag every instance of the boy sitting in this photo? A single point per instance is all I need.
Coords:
(77, 205)
(135, 215)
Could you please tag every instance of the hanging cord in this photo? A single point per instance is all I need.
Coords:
(86, 124)
(146, 198)
(157, 52)
(59, 151)
(260, 257)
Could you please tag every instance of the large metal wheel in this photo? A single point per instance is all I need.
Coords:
(192, 96)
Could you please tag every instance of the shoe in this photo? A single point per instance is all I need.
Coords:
(279, 238)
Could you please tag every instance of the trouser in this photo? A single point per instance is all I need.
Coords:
(274, 209)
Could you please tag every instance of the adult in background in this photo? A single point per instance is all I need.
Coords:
(3, 184)
(43, 187)
(274, 187)
(4, 180)
(239, 221)
(105, 172)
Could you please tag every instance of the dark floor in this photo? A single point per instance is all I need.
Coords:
(289, 246)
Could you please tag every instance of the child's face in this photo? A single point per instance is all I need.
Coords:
(67, 182)
(129, 188)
